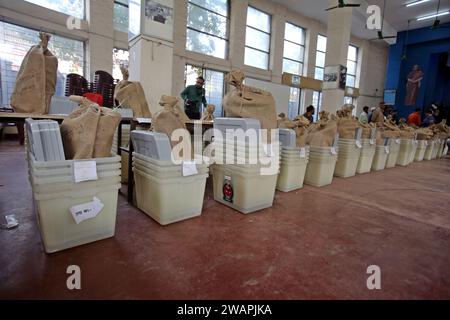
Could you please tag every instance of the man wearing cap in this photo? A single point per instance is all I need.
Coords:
(194, 97)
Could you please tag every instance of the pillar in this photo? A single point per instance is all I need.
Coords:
(338, 40)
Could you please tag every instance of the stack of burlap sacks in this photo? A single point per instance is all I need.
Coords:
(89, 130)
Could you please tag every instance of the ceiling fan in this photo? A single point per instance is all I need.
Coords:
(380, 32)
(437, 22)
(342, 4)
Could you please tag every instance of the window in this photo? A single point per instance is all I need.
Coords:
(207, 27)
(294, 49)
(320, 57)
(120, 58)
(293, 57)
(74, 8)
(352, 101)
(257, 39)
(214, 85)
(294, 103)
(15, 41)
(317, 103)
(352, 62)
(121, 15)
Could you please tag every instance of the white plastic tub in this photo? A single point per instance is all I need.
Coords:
(405, 152)
(420, 152)
(366, 157)
(429, 150)
(291, 175)
(320, 169)
(169, 200)
(57, 225)
(394, 149)
(348, 158)
(243, 188)
(380, 157)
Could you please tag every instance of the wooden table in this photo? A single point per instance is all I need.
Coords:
(19, 119)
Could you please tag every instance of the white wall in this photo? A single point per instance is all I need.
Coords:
(280, 93)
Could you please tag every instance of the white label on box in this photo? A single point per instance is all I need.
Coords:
(397, 141)
(358, 133)
(303, 153)
(333, 151)
(372, 142)
(426, 143)
(227, 177)
(87, 210)
(358, 144)
(144, 120)
(84, 171)
(189, 168)
(386, 149)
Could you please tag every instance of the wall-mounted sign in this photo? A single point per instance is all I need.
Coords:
(335, 77)
(293, 80)
(152, 18)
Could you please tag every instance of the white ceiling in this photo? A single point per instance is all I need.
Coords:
(396, 17)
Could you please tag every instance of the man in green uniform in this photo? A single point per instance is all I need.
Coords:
(194, 97)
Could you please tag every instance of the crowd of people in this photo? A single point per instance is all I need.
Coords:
(433, 115)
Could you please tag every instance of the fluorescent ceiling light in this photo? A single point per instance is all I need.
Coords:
(434, 15)
(416, 3)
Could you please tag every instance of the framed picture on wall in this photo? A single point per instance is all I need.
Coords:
(158, 19)
(331, 77)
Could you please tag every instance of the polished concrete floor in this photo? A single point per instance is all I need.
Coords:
(312, 244)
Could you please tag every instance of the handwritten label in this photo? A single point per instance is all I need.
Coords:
(372, 142)
(397, 141)
(86, 211)
(358, 144)
(189, 168)
(84, 171)
(386, 149)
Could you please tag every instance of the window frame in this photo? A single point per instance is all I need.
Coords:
(269, 53)
(82, 18)
(224, 84)
(52, 33)
(302, 62)
(324, 52)
(356, 64)
(228, 20)
(123, 5)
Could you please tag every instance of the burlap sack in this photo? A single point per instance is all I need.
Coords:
(424, 134)
(301, 130)
(248, 102)
(79, 131)
(88, 132)
(36, 80)
(131, 94)
(209, 113)
(285, 123)
(366, 130)
(107, 125)
(407, 132)
(169, 118)
(323, 133)
(347, 124)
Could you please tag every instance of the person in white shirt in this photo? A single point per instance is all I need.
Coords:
(364, 116)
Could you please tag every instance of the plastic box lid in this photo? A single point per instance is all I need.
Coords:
(222, 124)
(154, 145)
(62, 105)
(288, 138)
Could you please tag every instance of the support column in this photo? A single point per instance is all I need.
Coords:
(151, 63)
(338, 40)
(100, 16)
